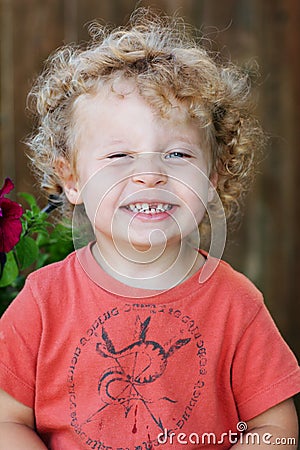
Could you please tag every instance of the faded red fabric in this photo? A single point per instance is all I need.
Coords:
(106, 371)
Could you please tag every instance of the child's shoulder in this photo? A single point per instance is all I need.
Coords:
(227, 281)
(235, 277)
(54, 271)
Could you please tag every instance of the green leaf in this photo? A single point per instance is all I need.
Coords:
(36, 210)
(42, 260)
(10, 271)
(29, 199)
(27, 252)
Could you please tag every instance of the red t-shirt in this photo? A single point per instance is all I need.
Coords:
(109, 371)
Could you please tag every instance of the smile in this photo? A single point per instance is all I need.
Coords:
(149, 208)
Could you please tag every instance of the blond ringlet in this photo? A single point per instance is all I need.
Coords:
(166, 63)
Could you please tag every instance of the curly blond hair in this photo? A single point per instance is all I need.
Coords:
(165, 61)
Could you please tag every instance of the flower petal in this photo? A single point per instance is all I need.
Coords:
(10, 232)
(9, 209)
(10, 224)
(7, 187)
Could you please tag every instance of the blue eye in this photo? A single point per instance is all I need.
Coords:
(177, 154)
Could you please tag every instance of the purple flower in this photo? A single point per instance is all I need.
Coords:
(10, 222)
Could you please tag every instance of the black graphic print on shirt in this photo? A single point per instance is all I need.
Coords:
(137, 371)
(137, 364)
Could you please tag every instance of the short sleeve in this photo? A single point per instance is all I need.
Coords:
(20, 334)
(265, 372)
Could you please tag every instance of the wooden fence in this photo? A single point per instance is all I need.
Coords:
(267, 245)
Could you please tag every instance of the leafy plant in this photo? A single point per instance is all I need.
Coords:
(39, 242)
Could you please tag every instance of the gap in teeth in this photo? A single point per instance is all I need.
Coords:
(149, 208)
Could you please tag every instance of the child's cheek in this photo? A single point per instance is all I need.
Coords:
(100, 191)
(192, 185)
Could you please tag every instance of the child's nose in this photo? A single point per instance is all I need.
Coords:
(148, 171)
(150, 179)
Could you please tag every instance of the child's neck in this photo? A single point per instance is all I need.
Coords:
(152, 269)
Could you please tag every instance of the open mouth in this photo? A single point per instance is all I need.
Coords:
(149, 208)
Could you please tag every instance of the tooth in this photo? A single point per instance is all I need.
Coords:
(149, 208)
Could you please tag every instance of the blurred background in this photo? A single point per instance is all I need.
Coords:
(266, 246)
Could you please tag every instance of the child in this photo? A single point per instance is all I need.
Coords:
(125, 345)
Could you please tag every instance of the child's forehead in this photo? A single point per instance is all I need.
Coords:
(110, 94)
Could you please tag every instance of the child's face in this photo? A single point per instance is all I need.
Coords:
(141, 177)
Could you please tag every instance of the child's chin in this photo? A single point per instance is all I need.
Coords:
(156, 241)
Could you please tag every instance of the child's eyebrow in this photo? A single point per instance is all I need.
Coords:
(182, 139)
(112, 142)
(185, 140)
(170, 140)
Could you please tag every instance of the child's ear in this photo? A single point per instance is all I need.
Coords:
(212, 186)
(69, 181)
